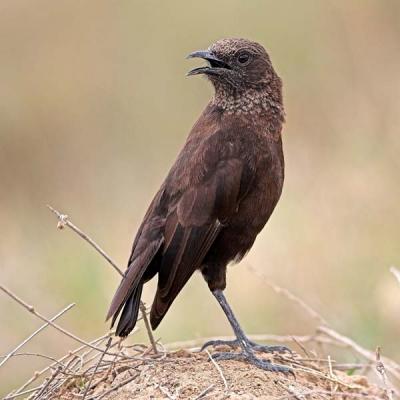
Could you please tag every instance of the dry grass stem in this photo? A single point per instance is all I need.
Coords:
(32, 310)
(113, 388)
(23, 393)
(14, 351)
(218, 368)
(148, 327)
(391, 365)
(380, 368)
(97, 366)
(47, 383)
(63, 220)
(71, 355)
(205, 392)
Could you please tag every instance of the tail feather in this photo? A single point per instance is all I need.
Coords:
(129, 314)
(127, 296)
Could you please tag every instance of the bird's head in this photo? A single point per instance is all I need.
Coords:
(236, 65)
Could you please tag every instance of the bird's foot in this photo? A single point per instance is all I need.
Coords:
(213, 343)
(268, 349)
(249, 357)
(245, 344)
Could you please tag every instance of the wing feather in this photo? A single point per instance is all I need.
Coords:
(196, 243)
(195, 224)
(202, 191)
(132, 277)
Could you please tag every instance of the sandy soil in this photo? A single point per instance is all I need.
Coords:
(186, 375)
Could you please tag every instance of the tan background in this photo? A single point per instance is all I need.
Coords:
(94, 106)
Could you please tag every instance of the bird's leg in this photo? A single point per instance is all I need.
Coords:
(241, 339)
(248, 347)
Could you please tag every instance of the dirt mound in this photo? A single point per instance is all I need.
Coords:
(191, 375)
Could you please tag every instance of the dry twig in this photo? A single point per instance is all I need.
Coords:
(37, 375)
(48, 382)
(14, 351)
(23, 393)
(205, 392)
(97, 366)
(218, 368)
(63, 220)
(32, 310)
(55, 361)
(380, 368)
(113, 388)
(391, 365)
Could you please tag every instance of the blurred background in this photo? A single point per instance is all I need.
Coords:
(94, 107)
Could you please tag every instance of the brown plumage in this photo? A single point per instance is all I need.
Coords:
(221, 190)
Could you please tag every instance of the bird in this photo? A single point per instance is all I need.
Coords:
(216, 198)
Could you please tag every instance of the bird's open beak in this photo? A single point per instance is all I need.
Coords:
(215, 66)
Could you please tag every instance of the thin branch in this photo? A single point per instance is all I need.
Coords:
(60, 360)
(55, 361)
(97, 366)
(48, 382)
(63, 220)
(381, 370)
(15, 395)
(111, 366)
(148, 328)
(302, 347)
(12, 352)
(113, 388)
(391, 365)
(32, 310)
(205, 392)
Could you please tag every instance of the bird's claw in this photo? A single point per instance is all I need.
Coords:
(252, 359)
(214, 343)
(246, 343)
(269, 349)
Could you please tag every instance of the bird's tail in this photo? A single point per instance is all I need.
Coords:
(129, 314)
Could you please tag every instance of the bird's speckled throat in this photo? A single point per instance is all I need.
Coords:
(251, 101)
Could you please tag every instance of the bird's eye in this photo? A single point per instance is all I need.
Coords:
(243, 58)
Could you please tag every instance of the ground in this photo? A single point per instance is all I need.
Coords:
(191, 375)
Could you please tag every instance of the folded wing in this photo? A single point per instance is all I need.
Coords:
(183, 221)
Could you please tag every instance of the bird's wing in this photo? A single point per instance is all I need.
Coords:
(192, 227)
(202, 190)
(147, 243)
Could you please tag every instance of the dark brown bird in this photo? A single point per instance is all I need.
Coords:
(217, 196)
